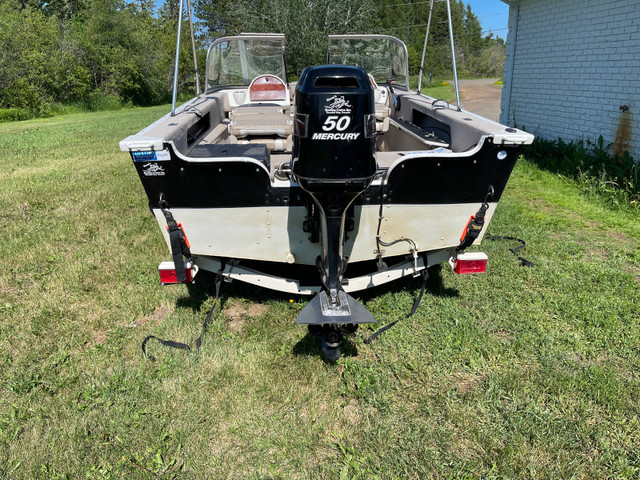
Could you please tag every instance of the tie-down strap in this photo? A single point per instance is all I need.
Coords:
(177, 241)
(476, 223)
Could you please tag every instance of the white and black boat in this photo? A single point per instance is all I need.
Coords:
(341, 181)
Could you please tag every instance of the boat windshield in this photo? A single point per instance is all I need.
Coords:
(238, 60)
(382, 56)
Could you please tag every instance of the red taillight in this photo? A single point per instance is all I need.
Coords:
(473, 262)
(168, 273)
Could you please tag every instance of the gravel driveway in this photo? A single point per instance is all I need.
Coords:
(481, 96)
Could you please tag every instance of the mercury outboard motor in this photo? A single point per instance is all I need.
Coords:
(334, 162)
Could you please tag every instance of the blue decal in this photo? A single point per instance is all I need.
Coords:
(144, 156)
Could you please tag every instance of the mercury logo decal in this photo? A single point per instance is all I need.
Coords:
(337, 105)
(152, 170)
(335, 136)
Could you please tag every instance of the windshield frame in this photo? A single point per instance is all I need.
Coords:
(371, 37)
(273, 38)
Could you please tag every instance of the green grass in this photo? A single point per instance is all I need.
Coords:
(93, 103)
(437, 88)
(518, 373)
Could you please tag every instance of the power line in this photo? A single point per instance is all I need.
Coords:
(494, 30)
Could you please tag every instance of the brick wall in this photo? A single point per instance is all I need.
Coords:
(574, 63)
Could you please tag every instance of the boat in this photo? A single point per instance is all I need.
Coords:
(340, 181)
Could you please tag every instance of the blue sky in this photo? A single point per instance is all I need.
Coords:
(493, 15)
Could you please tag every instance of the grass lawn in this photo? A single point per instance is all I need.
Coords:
(517, 373)
(437, 88)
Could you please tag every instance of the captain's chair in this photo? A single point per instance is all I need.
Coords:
(266, 117)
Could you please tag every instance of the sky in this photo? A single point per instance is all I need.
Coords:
(493, 16)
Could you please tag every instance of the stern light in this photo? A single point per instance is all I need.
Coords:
(168, 273)
(471, 262)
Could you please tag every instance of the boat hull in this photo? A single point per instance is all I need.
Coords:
(231, 208)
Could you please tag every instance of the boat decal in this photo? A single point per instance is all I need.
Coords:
(337, 105)
(163, 155)
(151, 156)
(153, 170)
(335, 136)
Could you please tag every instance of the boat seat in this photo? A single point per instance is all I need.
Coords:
(381, 99)
(256, 151)
(268, 88)
(382, 112)
(260, 120)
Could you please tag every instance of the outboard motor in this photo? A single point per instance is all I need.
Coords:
(334, 161)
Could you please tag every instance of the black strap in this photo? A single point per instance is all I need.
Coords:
(207, 320)
(476, 223)
(523, 261)
(177, 240)
(416, 304)
(166, 343)
(205, 325)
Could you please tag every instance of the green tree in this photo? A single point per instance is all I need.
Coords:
(119, 42)
(222, 17)
(63, 9)
(408, 22)
(38, 63)
(81, 50)
(168, 16)
(306, 23)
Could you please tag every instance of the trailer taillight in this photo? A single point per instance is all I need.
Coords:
(168, 273)
(472, 262)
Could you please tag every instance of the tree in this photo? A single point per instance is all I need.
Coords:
(37, 64)
(222, 17)
(408, 22)
(63, 9)
(78, 50)
(168, 17)
(306, 23)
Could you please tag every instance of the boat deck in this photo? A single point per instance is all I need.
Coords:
(220, 124)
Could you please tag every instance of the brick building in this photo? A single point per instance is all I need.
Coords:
(572, 70)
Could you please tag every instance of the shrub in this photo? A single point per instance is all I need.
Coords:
(98, 103)
(614, 177)
(15, 114)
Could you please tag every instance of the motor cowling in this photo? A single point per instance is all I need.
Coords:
(334, 128)
(334, 161)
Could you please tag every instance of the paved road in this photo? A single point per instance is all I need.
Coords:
(481, 97)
